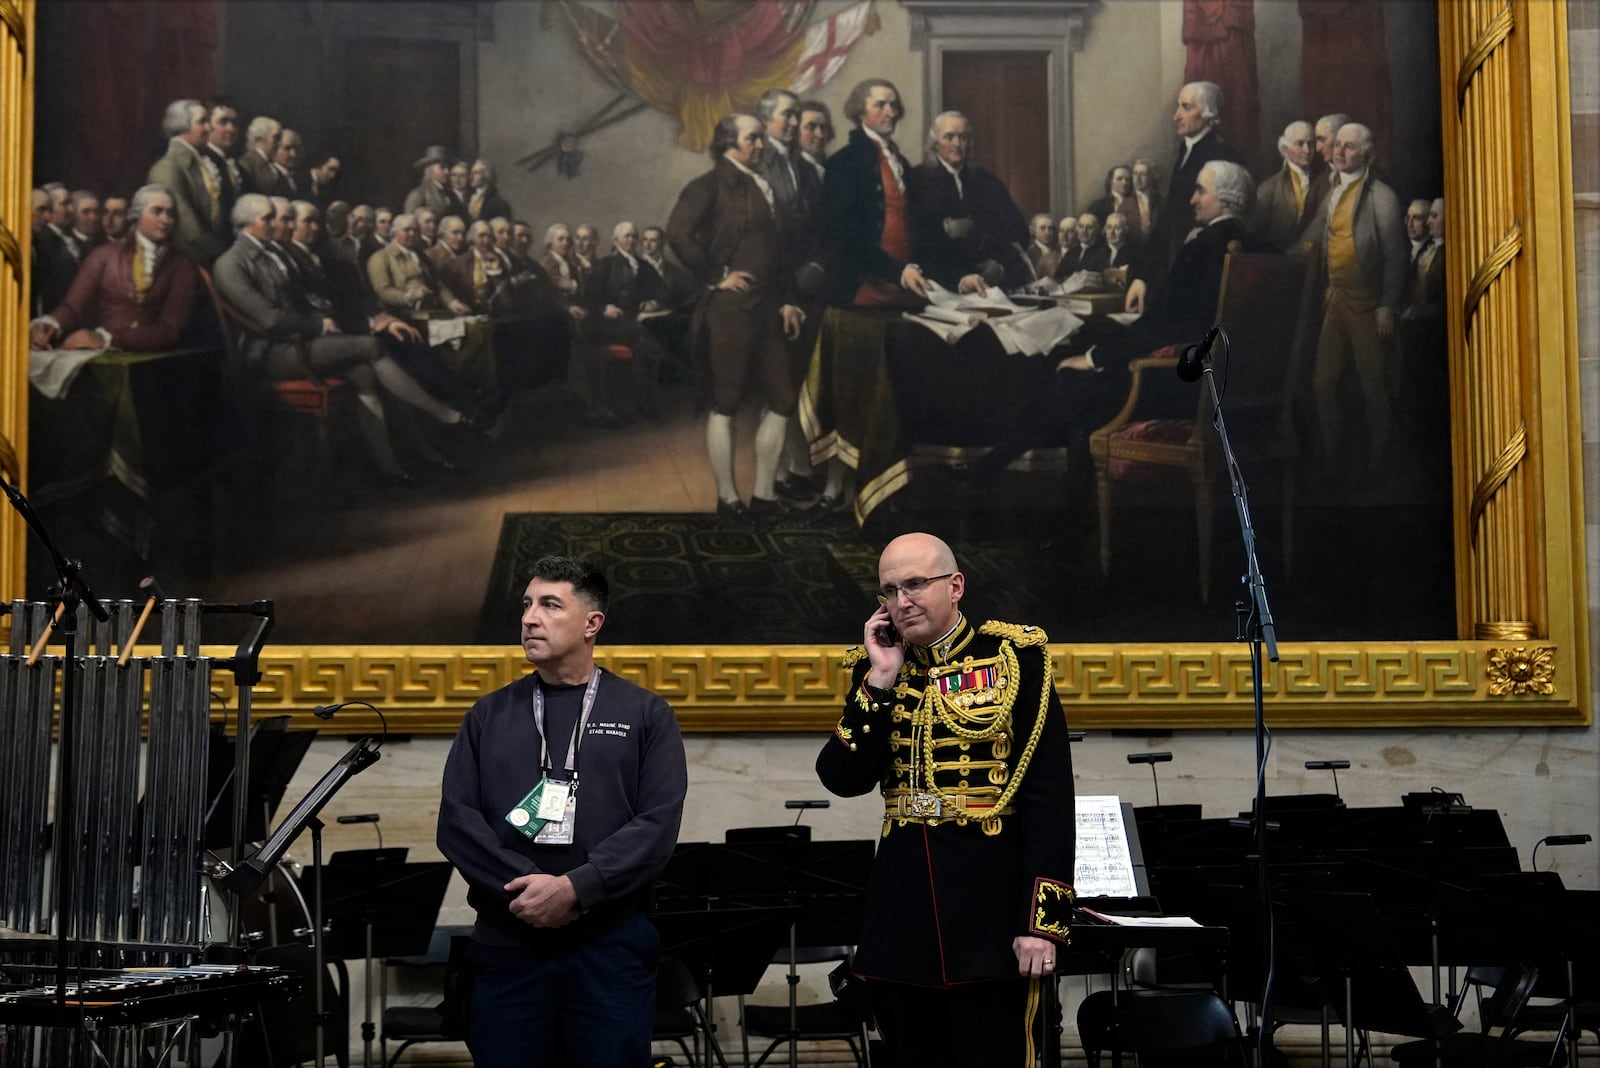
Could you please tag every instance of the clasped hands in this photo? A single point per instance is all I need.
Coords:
(543, 900)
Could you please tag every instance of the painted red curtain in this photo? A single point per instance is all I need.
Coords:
(714, 47)
(1219, 38)
(1345, 67)
(118, 64)
(700, 60)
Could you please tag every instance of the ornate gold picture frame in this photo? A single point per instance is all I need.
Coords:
(1520, 657)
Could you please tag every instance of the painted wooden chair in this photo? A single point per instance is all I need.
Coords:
(1264, 306)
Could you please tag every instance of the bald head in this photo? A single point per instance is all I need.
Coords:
(922, 616)
(941, 553)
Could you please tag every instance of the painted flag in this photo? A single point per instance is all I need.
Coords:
(828, 45)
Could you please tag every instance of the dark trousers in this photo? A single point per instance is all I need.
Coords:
(424, 365)
(590, 1006)
(966, 1026)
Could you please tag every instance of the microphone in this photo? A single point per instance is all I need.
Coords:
(365, 817)
(1192, 364)
(327, 711)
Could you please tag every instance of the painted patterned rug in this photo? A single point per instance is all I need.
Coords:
(692, 578)
(699, 578)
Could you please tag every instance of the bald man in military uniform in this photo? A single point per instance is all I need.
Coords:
(970, 899)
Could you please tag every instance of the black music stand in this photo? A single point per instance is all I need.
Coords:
(1152, 814)
(1348, 937)
(1142, 903)
(275, 756)
(727, 947)
(378, 855)
(380, 909)
(248, 874)
(723, 925)
(826, 880)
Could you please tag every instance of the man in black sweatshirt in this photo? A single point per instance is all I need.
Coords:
(561, 802)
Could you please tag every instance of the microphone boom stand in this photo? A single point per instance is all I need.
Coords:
(242, 878)
(1257, 625)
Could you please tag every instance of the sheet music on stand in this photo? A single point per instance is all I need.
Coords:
(1107, 843)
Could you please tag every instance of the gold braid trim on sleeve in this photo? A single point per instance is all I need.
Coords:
(1052, 909)
(1016, 633)
(854, 655)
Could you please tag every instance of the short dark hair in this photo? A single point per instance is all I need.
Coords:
(818, 106)
(822, 109)
(855, 105)
(587, 580)
(726, 135)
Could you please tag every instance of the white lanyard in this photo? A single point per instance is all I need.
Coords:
(577, 730)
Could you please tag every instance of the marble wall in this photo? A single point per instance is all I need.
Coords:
(1541, 781)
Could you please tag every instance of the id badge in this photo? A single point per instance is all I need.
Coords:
(559, 832)
(553, 800)
(545, 802)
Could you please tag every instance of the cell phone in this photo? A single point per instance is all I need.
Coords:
(887, 635)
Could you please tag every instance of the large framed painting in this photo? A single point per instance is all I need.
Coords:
(487, 217)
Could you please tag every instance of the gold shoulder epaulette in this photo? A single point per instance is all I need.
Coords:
(1019, 634)
(854, 655)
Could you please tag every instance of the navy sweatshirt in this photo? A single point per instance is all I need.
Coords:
(632, 778)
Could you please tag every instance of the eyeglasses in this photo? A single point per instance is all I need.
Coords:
(911, 587)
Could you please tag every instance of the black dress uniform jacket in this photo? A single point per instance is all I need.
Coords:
(970, 751)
